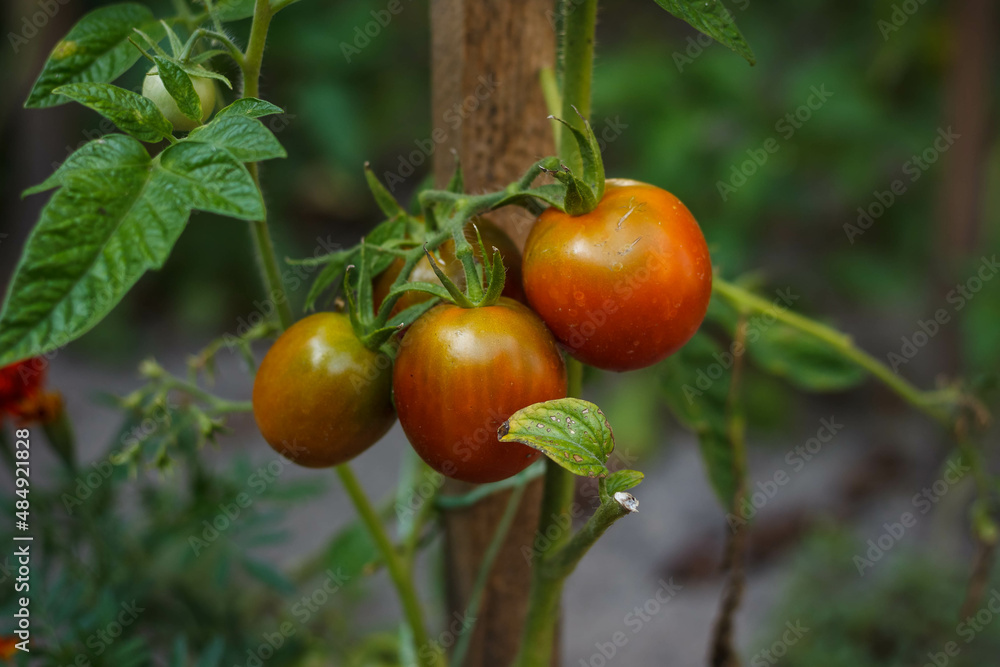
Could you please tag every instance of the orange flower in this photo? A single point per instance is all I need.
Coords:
(8, 647)
(21, 394)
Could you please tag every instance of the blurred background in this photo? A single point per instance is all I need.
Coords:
(855, 95)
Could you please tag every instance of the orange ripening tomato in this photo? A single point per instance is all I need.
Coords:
(624, 286)
(461, 372)
(321, 397)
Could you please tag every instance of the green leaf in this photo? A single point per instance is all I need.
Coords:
(570, 431)
(803, 360)
(130, 111)
(621, 480)
(695, 383)
(117, 213)
(178, 84)
(99, 233)
(245, 138)
(233, 10)
(109, 152)
(211, 179)
(97, 49)
(352, 552)
(712, 18)
(252, 107)
(267, 574)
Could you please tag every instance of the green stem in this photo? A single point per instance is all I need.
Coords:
(538, 639)
(400, 575)
(264, 246)
(579, 24)
(482, 576)
(933, 404)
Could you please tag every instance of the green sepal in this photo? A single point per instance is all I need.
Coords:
(409, 315)
(383, 197)
(426, 288)
(457, 182)
(175, 42)
(590, 153)
(467, 256)
(153, 44)
(454, 294)
(579, 198)
(177, 82)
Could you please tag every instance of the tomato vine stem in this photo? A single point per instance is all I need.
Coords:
(263, 244)
(399, 571)
(939, 404)
(553, 564)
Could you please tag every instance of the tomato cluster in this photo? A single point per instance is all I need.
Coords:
(620, 288)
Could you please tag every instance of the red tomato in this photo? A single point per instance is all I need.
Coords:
(321, 397)
(461, 372)
(624, 286)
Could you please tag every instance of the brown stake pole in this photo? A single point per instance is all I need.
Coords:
(488, 107)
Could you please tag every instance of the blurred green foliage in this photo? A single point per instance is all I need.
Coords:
(903, 613)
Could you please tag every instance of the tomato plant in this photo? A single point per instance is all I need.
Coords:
(625, 285)
(461, 372)
(432, 315)
(321, 397)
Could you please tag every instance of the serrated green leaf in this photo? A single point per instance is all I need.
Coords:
(252, 107)
(622, 480)
(712, 18)
(210, 179)
(106, 226)
(177, 82)
(117, 214)
(245, 138)
(109, 152)
(803, 360)
(572, 432)
(130, 111)
(95, 50)
(695, 383)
